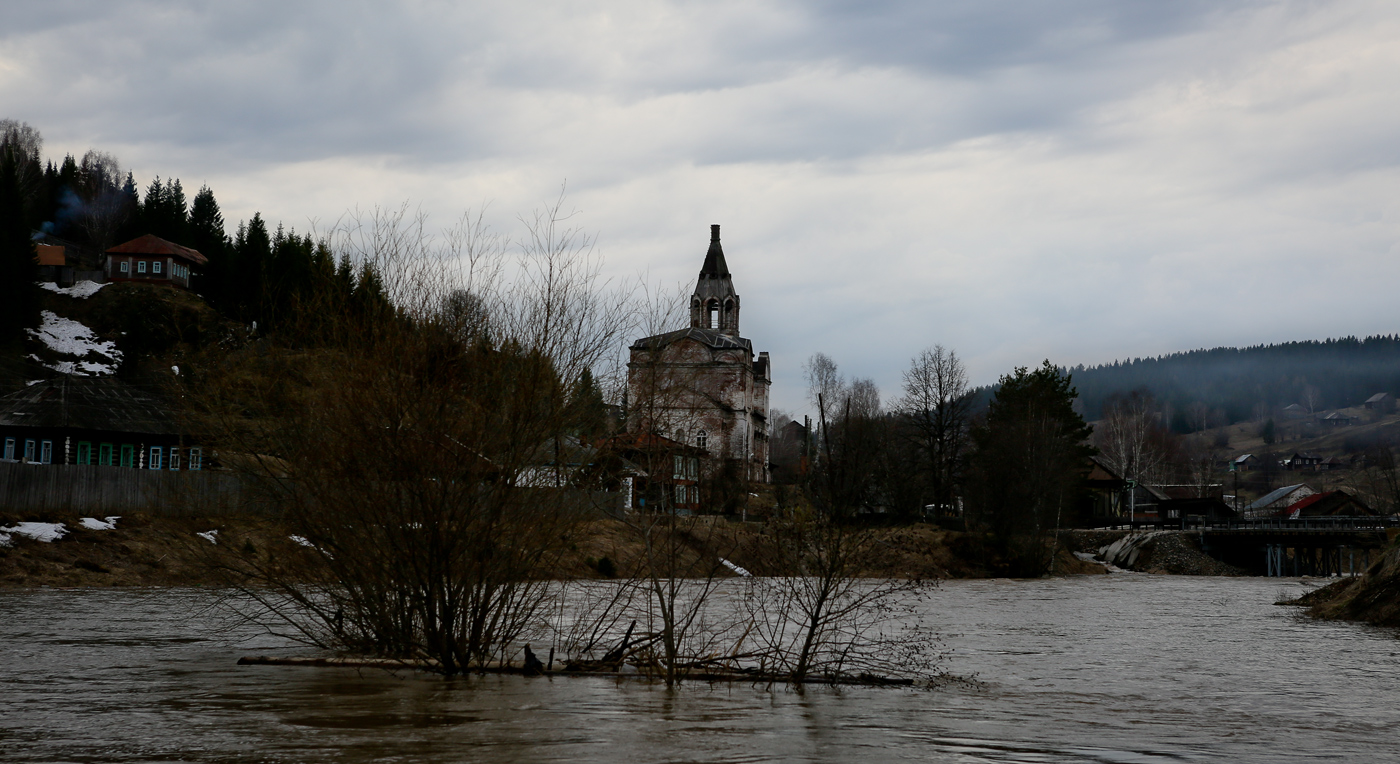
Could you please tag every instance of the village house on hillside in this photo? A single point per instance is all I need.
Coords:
(93, 421)
(1382, 402)
(153, 259)
(702, 385)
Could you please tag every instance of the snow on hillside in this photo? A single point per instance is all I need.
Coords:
(79, 291)
(68, 337)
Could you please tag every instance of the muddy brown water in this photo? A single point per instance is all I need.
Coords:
(1123, 668)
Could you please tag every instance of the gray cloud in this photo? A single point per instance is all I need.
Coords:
(1080, 180)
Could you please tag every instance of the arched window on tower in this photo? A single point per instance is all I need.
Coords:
(700, 439)
(712, 314)
(728, 313)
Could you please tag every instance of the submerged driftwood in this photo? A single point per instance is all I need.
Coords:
(575, 669)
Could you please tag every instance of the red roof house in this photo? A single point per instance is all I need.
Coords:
(1327, 504)
(153, 259)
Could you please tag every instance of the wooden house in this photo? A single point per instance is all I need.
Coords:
(95, 421)
(655, 473)
(154, 260)
(1383, 402)
(1105, 493)
(1302, 461)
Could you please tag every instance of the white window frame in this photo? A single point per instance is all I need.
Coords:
(140, 266)
(680, 494)
(9, 449)
(196, 460)
(174, 459)
(678, 471)
(701, 438)
(155, 266)
(125, 266)
(46, 452)
(155, 458)
(29, 446)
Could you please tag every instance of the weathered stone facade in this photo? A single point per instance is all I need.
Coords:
(702, 385)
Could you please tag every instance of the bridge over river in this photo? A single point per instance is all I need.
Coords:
(1308, 546)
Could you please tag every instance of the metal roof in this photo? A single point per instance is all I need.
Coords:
(88, 403)
(154, 245)
(708, 337)
(1274, 496)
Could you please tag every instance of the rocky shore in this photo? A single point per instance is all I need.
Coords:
(1164, 552)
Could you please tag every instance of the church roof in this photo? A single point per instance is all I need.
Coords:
(714, 267)
(708, 337)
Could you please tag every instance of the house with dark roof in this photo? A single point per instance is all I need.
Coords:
(1338, 419)
(153, 259)
(654, 473)
(1303, 461)
(96, 421)
(1383, 402)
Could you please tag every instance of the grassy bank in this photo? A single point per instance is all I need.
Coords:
(1373, 597)
(147, 550)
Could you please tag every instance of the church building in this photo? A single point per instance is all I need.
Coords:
(702, 385)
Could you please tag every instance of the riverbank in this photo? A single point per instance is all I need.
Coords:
(138, 549)
(1373, 597)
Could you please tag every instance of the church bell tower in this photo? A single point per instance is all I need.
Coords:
(715, 305)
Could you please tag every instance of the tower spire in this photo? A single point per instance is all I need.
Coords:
(715, 304)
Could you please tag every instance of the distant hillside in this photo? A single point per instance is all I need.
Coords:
(1235, 384)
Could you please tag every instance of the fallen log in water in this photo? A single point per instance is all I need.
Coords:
(702, 676)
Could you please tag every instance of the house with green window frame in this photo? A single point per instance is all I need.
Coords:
(97, 421)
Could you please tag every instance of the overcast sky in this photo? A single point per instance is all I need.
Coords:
(1079, 181)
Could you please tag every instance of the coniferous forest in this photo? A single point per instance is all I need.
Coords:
(1209, 388)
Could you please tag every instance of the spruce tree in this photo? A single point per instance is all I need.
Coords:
(1027, 467)
(208, 237)
(19, 300)
(254, 259)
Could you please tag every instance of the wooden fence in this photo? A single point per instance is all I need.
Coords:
(94, 489)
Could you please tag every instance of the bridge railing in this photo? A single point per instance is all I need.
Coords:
(1332, 522)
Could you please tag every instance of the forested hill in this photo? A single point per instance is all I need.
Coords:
(1235, 384)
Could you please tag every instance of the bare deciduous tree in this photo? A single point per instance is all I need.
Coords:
(935, 408)
(402, 452)
(1132, 439)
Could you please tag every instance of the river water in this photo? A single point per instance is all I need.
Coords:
(1124, 668)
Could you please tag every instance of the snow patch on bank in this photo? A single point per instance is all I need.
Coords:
(68, 337)
(105, 524)
(79, 291)
(44, 532)
(210, 536)
(738, 570)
